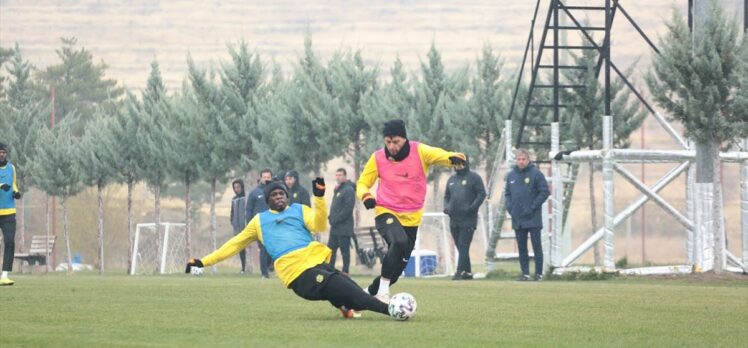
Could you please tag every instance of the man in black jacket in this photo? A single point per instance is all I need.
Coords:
(341, 219)
(463, 197)
(526, 190)
(256, 204)
(238, 221)
(296, 192)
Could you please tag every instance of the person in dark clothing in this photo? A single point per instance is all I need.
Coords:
(9, 193)
(238, 221)
(525, 191)
(463, 197)
(256, 204)
(341, 219)
(296, 192)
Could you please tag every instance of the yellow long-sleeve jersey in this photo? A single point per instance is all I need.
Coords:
(289, 265)
(428, 155)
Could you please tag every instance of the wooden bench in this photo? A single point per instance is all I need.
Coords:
(41, 246)
(369, 245)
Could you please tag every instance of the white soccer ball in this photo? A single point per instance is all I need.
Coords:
(402, 306)
(196, 271)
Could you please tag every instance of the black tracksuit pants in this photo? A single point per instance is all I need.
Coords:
(8, 226)
(400, 241)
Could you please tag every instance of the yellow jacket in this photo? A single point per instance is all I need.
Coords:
(290, 265)
(429, 155)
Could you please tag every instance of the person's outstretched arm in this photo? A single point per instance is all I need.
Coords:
(234, 245)
(315, 219)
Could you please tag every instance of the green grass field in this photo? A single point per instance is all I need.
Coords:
(227, 310)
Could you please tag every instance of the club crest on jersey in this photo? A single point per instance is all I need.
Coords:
(337, 194)
(390, 221)
(295, 194)
(464, 182)
(527, 180)
(320, 278)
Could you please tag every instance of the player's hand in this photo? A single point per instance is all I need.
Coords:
(458, 158)
(369, 201)
(318, 187)
(5, 187)
(193, 263)
(16, 195)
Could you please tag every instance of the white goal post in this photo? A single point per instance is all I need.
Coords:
(158, 252)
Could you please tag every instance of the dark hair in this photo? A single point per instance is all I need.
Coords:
(342, 170)
(266, 170)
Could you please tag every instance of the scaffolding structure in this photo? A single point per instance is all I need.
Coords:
(700, 242)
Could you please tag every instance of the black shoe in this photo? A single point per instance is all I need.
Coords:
(467, 276)
(458, 276)
(523, 278)
(538, 277)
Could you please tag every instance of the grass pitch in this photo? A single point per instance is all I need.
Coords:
(228, 310)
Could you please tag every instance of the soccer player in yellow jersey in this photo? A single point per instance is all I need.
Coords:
(400, 167)
(301, 263)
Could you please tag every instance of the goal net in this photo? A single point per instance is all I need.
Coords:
(433, 254)
(158, 252)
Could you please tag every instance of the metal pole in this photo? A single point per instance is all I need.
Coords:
(608, 195)
(556, 90)
(744, 205)
(606, 50)
(557, 204)
(643, 228)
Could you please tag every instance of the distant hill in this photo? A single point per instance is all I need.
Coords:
(128, 35)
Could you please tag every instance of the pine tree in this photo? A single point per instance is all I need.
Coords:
(216, 123)
(96, 163)
(439, 100)
(24, 112)
(700, 80)
(80, 85)
(488, 108)
(152, 138)
(394, 100)
(124, 128)
(55, 168)
(350, 82)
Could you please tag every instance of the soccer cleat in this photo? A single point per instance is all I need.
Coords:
(349, 313)
(383, 297)
(467, 276)
(6, 281)
(457, 276)
(524, 278)
(538, 277)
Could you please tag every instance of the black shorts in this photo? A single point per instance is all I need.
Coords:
(310, 283)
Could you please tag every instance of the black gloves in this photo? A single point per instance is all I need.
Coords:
(318, 187)
(5, 187)
(369, 201)
(560, 155)
(193, 263)
(17, 195)
(459, 158)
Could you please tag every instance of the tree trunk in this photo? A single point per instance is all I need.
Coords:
(717, 212)
(100, 199)
(213, 215)
(159, 238)
(21, 224)
(49, 231)
(593, 212)
(65, 232)
(130, 233)
(187, 216)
